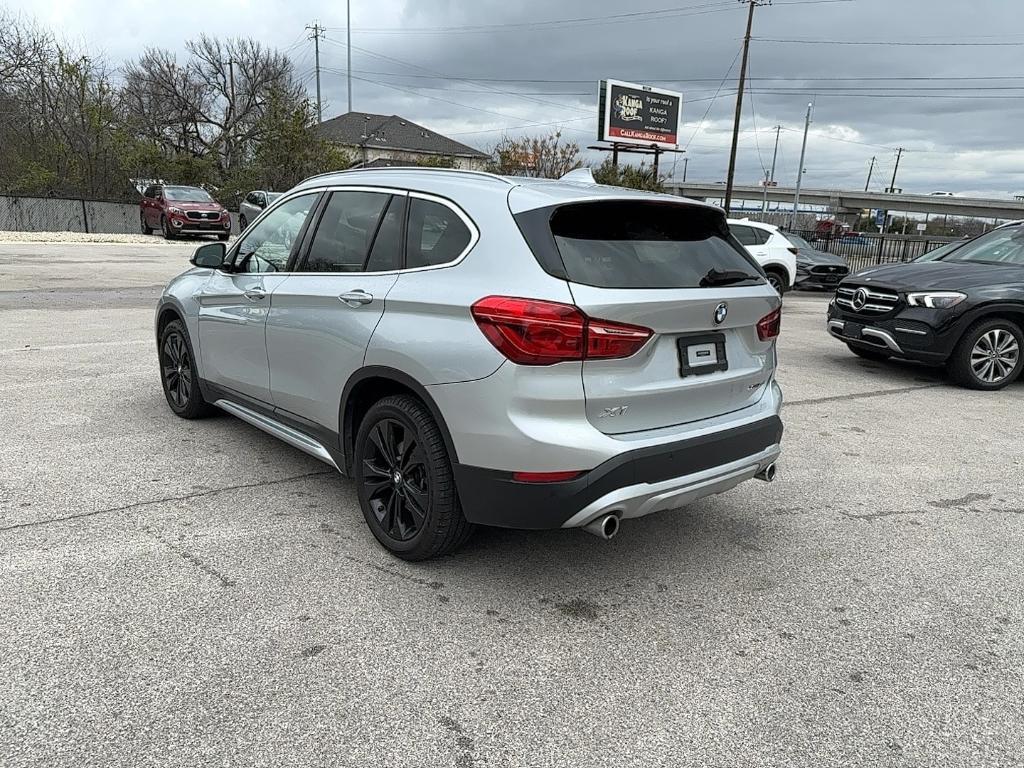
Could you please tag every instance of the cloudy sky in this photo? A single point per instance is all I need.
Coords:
(943, 79)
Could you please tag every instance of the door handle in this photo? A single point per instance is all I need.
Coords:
(356, 297)
(255, 294)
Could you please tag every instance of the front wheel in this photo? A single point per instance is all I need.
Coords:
(405, 482)
(165, 228)
(178, 373)
(988, 355)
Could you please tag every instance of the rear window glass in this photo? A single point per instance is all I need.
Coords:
(636, 244)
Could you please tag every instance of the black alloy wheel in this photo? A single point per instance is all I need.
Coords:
(405, 482)
(395, 476)
(178, 373)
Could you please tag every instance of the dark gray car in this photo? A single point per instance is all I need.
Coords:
(252, 206)
(817, 269)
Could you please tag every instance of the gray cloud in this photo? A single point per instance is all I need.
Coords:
(963, 144)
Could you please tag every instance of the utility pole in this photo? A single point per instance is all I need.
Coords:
(317, 31)
(800, 170)
(348, 49)
(892, 185)
(739, 101)
(771, 177)
(871, 169)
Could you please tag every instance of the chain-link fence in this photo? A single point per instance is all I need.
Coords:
(54, 214)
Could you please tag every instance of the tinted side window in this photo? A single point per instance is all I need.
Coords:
(267, 246)
(761, 236)
(345, 232)
(744, 234)
(386, 253)
(251, 198)
(150, 191)
(436, 234)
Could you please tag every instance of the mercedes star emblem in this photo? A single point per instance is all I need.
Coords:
(860, 298)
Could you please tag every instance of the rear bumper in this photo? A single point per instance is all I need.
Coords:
(632, 484)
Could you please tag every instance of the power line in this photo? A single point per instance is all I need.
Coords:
(712, 101)
(884, 42)
(619, 18)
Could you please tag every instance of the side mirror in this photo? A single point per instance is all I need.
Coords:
(210, 255)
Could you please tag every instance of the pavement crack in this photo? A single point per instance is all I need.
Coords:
(162, 500)
(860, 395)
(872, 516)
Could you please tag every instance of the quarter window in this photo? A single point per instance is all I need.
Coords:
(436, 234)
(345, 232)
(267, 246)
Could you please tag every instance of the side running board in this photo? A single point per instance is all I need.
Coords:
(293, 437)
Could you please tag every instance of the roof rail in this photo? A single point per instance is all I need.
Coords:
(428, 169)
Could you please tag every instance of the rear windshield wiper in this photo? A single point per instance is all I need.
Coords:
(725, 277)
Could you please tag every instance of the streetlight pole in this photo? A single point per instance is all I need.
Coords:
(348, 49)
(771, 178)
(800, 170)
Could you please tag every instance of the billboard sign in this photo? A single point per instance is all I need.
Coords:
(639, 114)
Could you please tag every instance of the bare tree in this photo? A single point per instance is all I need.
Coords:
(541, 156)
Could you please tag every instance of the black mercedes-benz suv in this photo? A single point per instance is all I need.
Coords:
(964, 311)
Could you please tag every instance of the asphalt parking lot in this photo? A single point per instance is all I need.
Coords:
(196, 594)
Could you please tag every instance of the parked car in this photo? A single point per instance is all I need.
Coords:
(963, 310)
(853, 238)
(814, 268)
(253, 205)
(176, 210)
(942, 194)
(475, 349)
(770, 249)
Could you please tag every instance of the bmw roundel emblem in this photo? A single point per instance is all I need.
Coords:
(721, 312)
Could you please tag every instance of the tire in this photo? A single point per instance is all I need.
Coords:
(146, 229)
(165, 228)
(242, 222)
(405, 482)
(777, 281)
(989, 356)
(868, 354)
(178, 374)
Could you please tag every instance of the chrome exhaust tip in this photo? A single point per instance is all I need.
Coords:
(767, 474)
(604, 527)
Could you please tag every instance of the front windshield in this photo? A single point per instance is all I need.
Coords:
(941, 252)
(187, 195)
(798, 241)
(272, 196)
(1003, 246)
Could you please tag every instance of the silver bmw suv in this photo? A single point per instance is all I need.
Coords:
(474, 349)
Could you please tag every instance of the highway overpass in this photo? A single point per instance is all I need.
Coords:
(846, 201)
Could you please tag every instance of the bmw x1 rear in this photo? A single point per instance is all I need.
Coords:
(527, 354)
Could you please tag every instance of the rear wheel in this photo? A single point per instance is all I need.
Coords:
(146, 229)
(777, 280)
(405, 482)
(868, 354)
(988, 355)
(178, 373)
(165, 228)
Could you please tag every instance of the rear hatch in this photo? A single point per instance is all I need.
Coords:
(671, 268)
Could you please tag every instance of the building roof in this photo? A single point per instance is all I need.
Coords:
(391, 132)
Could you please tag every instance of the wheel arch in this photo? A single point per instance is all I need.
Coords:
(780, 269)
(368, 385)
(168, 313)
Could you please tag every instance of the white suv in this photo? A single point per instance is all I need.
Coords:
(770, 248)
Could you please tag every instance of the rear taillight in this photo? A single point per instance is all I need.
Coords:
(794, 251)
(534, 332)
(768, 327)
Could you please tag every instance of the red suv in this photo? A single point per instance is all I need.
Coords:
(182, 211)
